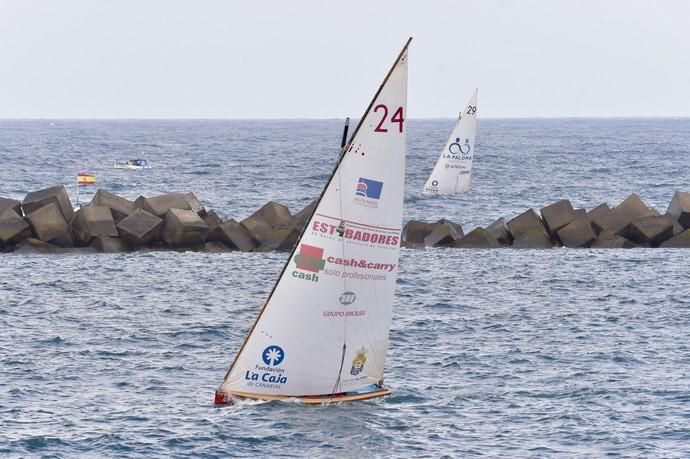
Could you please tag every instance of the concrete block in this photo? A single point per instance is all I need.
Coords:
(154, 246)
(633, 205)
(13, 228)
(92, 221)
(195, 204)
(107, 244)
(478, 238)
(598, 212)
(33, 245)
(499, 230)
(527, 222)
(414, 232)
(679, 208)
(282, 239)
(301, 218)
(119, 206)
(578, 233)
(184, 228)
(48, 224)
(444, 233)
(557, 215)
(55, 194)
(216, 247)
(10, 204)
(276, 215)
(677, 227)
(235, 236)
(533, 239)
(652, 230)
(212, 220)
(139, 202)
(609, 240)
(602, 219)
(257, 227)
(140, 227)
(160, 205)
(681, 240)
(619, 219)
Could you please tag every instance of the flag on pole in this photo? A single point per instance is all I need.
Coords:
(84, 178)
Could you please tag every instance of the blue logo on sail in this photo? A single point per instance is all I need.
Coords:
(273, 355)
(268, 376)
(368, 188)
(458, 148)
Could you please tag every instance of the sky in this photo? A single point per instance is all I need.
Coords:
(325, 59)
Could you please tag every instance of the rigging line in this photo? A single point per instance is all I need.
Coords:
(341, 227)
(336, 386)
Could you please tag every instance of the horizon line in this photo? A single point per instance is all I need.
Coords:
(564, 117)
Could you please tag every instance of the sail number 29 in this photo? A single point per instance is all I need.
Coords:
(396, 118)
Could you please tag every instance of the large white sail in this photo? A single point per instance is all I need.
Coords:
(453, 168)
(324, 330)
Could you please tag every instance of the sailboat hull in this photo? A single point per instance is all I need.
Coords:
(227, 398)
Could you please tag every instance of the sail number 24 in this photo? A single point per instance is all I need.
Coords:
(396, 118)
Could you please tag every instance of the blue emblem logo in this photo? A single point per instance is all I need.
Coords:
(273, 355)
(457, 148)
(368, 188)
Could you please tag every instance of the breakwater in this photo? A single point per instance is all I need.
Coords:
(46, 222)
(629, 224)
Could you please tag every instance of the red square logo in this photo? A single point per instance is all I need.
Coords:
(310, 258)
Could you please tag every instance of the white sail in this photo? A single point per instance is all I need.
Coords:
(453, 168)
(324, 330)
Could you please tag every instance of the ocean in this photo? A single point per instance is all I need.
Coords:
(493, 353)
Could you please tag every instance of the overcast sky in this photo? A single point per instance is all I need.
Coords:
(323, 59)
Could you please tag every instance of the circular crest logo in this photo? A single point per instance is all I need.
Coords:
(273, 355)
(358, 362)
(434, 183)
(347, 298)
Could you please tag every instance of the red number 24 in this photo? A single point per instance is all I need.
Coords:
(396, 118)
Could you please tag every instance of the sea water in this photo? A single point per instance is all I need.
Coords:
(510, 353)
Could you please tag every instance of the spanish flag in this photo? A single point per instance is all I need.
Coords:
(84, 178)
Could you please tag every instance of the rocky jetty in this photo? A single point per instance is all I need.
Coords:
(46, 222)
(630, 224)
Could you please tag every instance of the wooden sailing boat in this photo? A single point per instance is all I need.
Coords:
(453, 168)
(322, 336)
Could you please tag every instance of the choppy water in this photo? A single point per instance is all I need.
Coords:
(497, 353)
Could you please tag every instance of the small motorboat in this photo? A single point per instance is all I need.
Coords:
(133, 164)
